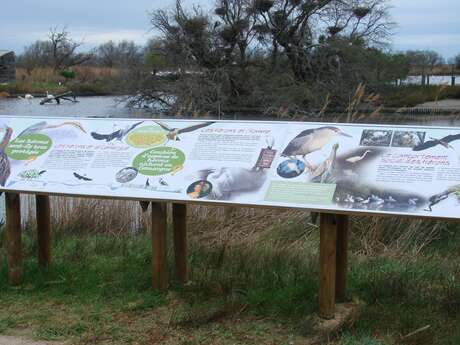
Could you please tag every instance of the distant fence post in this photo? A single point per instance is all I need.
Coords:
(159, 246)
(180, 241)
(13, 237)
(327, 262)
(43, 229)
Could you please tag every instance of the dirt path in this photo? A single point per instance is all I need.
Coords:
(9, 340)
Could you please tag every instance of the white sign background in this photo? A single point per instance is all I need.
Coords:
(375, 169)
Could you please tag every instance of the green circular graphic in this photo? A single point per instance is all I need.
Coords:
(146, 137)
(159, 161)
(28, 146)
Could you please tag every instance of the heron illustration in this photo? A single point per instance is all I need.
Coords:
(173, 133)
(437, 198)
(356, 159)
(323, 172)
(118, 135)
(43, 125)
(311, 140)
(5, 166)
(435, 142)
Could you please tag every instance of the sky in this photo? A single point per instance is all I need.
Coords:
(421, 24)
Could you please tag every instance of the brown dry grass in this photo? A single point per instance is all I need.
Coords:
(84, 74)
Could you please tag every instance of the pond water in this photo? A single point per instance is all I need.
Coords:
(104, 106)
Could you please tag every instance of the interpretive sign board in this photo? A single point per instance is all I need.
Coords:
(352, 168)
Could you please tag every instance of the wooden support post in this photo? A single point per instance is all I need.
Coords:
(13, 237)
(180, 241)
(342, 258)
(327, 257)
(159, 247)
(43, 230)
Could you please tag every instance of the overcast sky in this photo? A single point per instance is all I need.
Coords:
(422, 24)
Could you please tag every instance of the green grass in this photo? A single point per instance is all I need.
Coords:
(98, 291)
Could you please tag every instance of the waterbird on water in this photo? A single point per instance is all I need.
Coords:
(311, 140)
(434, 142)
(5, 166)
(173, 133)
(118, 135)
(356, 159)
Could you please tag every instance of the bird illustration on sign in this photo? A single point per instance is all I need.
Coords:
(43, 125)
(5, 166)
(311, 140)
(445, 142)
(173, 133)
(116, 135)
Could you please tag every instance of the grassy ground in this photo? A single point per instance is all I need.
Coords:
(88, 81)
(254, 279)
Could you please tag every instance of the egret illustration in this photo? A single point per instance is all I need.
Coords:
(435, 142)
(173, 133)
(117, 135)
(43, 125)
(323, 173)
(5, 166)
(356, 159)
(311, 140)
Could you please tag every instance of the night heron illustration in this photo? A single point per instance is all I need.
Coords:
(117, 135)
(312, 140)
(435, 142)
(356, 159)
(5, 166)
(43, 125)
(173, 133)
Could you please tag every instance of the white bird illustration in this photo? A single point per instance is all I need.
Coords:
(356, 159)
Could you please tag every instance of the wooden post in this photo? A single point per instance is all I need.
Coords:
(13, 237)
(342, 258)
(43, 230)
(180, 241)
(159, 247)
(327, 257)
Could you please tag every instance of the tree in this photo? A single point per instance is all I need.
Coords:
(456, 60)
(251, 52)
(124, 54)
(424, 61)
(60, 52)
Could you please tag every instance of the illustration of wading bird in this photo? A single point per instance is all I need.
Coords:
(435, 142)
(356, 159)
(117, 135)
(311, 140)
(323, 173)
(5, 166)
(43, 125)
(173, 133)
